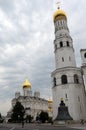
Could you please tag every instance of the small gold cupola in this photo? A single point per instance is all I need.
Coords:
(26, 84)
(50, 100)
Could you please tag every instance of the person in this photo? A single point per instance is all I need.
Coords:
(82, 121)
(51, 122)
(22, 124)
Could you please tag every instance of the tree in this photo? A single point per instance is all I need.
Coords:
(18, 112)
(1, 119)
(43, 116)
(29, 118)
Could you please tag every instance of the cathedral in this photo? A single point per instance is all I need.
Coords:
(33, 104)
(68, 80)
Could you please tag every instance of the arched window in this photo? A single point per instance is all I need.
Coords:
(76, 79)
(67, 43)
(61, 44)
(85, 55)
(58, 22)
(64, 79)
(54, 81)
(61, 22)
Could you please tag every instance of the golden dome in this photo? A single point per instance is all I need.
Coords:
(62, 99)
(26, 84)
(50, 101)
(59, 12)
(50, 109)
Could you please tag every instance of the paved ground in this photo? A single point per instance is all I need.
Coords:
(41, 127)
(78, 126)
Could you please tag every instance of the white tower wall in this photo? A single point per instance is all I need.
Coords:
(70, 92)
(83, 57)
(67, 79)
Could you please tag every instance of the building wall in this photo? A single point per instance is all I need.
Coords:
(67, 79)
(32, 105)
(83, 57)
(72, 93)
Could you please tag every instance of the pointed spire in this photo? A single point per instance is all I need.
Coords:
(59, 12)
(58, 4)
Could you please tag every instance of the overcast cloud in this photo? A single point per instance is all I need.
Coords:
(26, 44)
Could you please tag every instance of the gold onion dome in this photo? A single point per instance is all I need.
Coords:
(59, 12)
(26, 84)
(50, 101)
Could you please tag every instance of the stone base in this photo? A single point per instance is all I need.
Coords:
(59, 123)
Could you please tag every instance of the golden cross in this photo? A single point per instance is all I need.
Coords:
(58, 4)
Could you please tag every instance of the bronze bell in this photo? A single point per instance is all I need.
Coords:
(63, 113)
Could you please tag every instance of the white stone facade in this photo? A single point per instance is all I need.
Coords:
(33, 105)
(83, 57)
(70, 92)
(67, 79)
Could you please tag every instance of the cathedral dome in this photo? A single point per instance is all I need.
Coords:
(26, 84)
(59, 12)
(50, 101)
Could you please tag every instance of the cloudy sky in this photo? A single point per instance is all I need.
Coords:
(26, 43)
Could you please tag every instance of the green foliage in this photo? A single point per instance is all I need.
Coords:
(50, 120)
(1, 119)
(0, 115)
(43, 116)
(18, 112)
(9, 120)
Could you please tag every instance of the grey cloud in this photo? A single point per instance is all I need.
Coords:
(7, 5)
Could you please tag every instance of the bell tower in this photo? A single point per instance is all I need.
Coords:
(67, 80)
(63, 43)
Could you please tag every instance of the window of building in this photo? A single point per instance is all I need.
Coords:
(61, 44)
(58, 22)
(80, 109)
(54, 81)
(76, 79)
(64, 79)
(55, 47)
(60, 35)
(85, 55)
(67, 43)
(69, 58)
(78, 98)
(66, 95)
(62, 59)
(61, 22)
